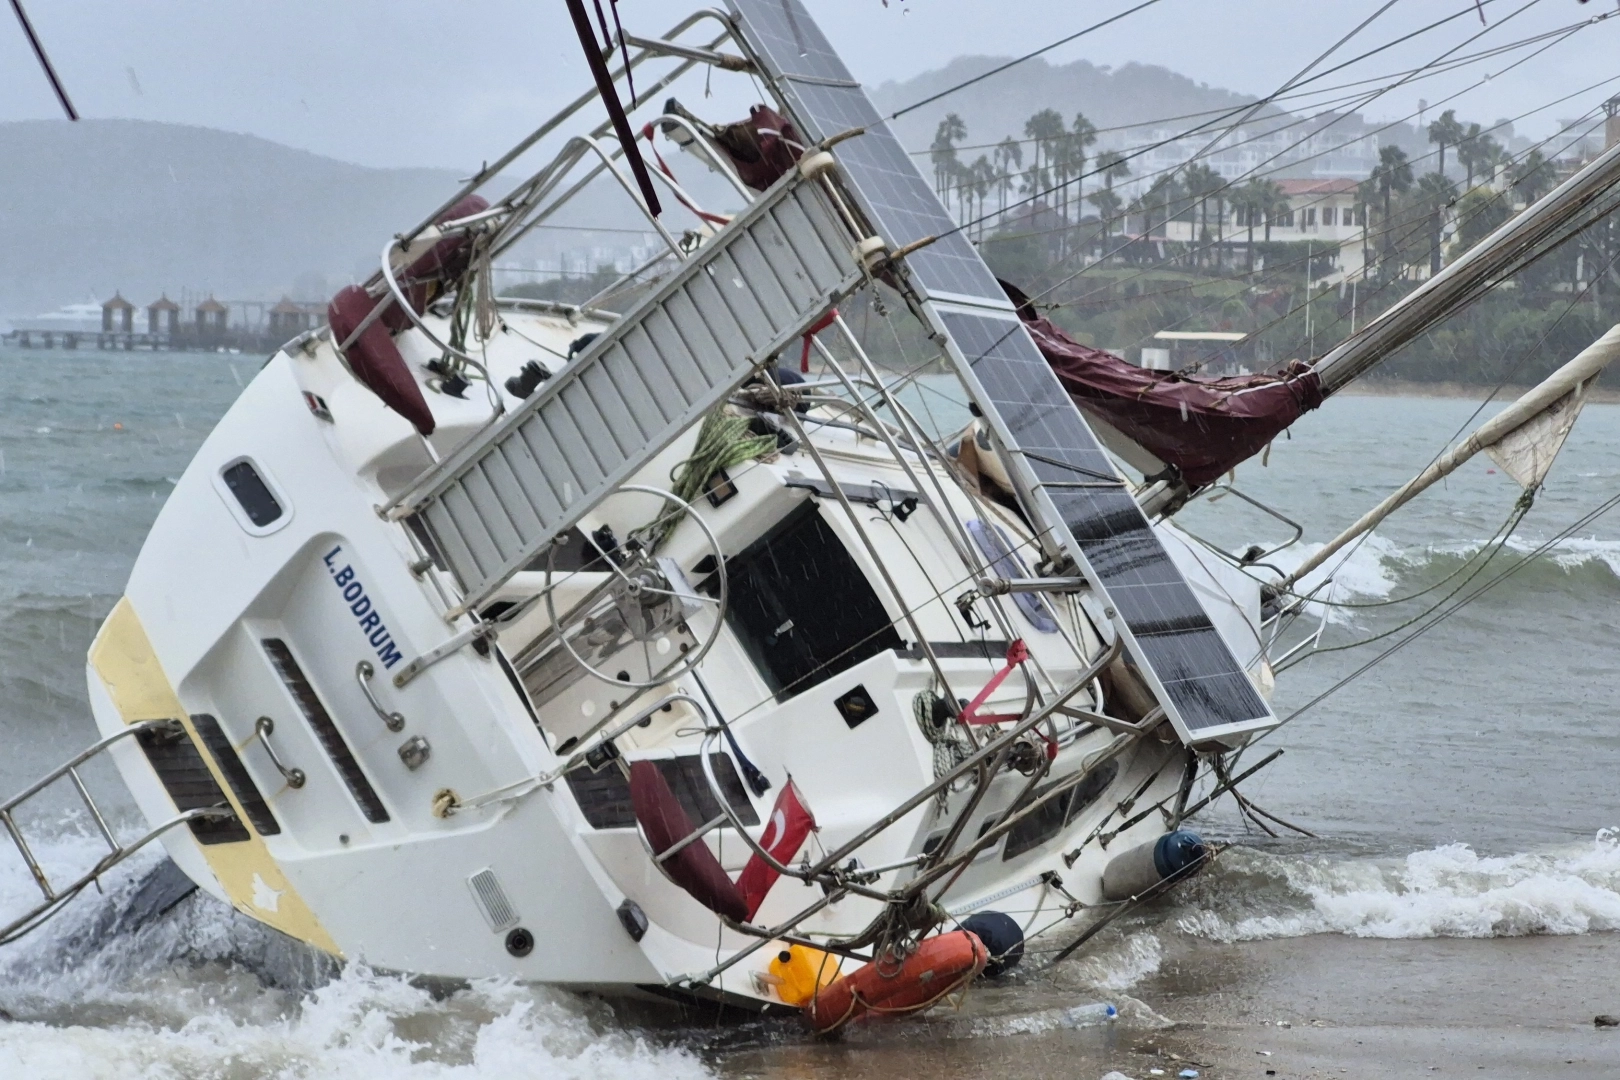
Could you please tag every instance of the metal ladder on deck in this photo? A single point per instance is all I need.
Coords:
(752, 289)
(56, 896)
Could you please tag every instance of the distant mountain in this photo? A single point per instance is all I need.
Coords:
(146, 207)
(998, 106)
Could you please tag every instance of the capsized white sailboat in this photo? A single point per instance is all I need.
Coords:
(595, 645)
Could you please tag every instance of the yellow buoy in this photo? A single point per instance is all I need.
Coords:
(800, 971)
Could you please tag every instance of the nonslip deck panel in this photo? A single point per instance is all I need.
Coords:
(493, 505)
(1202, 685)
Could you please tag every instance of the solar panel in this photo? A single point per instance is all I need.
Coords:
(1169, 636)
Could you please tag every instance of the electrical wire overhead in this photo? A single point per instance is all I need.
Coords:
(44, 60)
(1014, 63)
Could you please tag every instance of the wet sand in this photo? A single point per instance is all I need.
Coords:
(1498, 1008)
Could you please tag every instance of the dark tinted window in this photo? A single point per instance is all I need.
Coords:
(250, 490)
(802, 607)
(604, 797)
(1053, 816)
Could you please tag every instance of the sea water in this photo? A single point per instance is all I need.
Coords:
(1459, 788)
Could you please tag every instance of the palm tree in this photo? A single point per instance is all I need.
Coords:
(1478, 153)
(1107, 202)
(1445, 132)
(1277, 204)
(1045, 129)
(1111, 166)
(1201, 183)
(1488, 154)
(981, 179)
(1082, 135)
(1257, 201)
(1393, 174)
(1156, 204)
(1435, 193)
(942, 152)
(1531, 178)
(1009, 156)
(1366, 196)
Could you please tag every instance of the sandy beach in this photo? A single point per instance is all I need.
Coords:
(1321, 1006)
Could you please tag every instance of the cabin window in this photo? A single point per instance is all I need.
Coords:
(802, 608)
(1055, 815)
(1327, 215)
(604, 797)
(252, 493)
(1310, 217)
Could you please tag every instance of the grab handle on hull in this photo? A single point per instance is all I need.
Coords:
(362, 674)
(263, 727)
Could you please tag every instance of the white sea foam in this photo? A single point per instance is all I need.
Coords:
(1117, 965)
(1449, 891)
(1370, 571)
(188, 997)
(360, 1025)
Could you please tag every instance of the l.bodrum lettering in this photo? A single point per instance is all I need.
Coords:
(360, 605)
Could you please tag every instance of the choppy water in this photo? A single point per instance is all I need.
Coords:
(1462, 788)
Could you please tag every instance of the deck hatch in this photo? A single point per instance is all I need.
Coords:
(604, 797)
(236, 775)
(320, 721)
(187, 779)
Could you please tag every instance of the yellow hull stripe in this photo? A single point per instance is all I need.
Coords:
(124, 660)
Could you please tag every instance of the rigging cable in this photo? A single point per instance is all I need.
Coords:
(1532, 556)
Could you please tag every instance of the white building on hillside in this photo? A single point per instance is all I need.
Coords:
(1318, 210)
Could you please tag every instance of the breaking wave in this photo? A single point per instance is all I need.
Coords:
(1380, 569)
(1448, 891)
(204, 992)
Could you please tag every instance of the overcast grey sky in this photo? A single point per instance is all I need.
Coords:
(406, 82)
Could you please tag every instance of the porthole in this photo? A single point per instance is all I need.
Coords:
(252, 496)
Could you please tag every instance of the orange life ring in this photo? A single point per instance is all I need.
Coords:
(940, 965)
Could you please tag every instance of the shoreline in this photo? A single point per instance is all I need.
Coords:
(1469, 391)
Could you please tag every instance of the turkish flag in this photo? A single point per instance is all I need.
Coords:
(791, 821)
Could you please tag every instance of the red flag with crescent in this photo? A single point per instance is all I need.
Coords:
(790, 822)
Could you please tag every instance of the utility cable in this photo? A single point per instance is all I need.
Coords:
(44, 60)
(1013, 63)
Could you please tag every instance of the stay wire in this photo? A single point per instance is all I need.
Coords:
(1532, 556)
(1424, 71)
(1501, 383)
(1505, 532)
(44, 60)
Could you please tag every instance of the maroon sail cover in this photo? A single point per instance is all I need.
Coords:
(761, 148)
(433, 271)
(1202, 425)
(375, 359)
(663, 822)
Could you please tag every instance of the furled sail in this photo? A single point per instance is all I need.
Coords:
(1203, 426)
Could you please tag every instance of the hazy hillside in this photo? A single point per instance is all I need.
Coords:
(145, 207)
(1131, 94)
